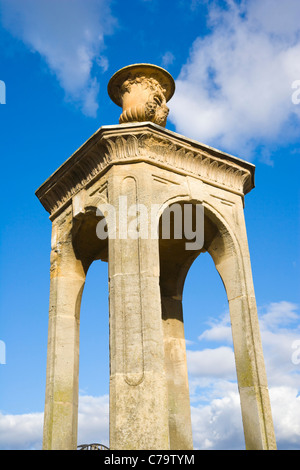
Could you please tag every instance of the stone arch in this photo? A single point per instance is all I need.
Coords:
(89, 248)
(225, 241)
(87, 245)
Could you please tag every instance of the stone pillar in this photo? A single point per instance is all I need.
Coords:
(180, 425)
(138, 389)
(66, 286)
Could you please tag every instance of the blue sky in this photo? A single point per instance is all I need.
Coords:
(234, 64)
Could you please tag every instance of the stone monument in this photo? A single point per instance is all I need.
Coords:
(139, 164)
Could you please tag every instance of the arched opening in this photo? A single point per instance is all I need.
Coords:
(214, 397)
(175, 263)
(93, 412)
(230, 257)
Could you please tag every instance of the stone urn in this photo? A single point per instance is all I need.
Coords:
(142, 91)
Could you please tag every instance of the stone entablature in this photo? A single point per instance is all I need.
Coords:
(147, 142)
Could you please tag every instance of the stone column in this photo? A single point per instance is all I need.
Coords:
(138, 389)
(232, 260)
(180, 426)
(66, 286)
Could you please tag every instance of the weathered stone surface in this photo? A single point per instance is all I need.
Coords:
(142, 90)
(146, 142)
(67, 280)
(149, 395)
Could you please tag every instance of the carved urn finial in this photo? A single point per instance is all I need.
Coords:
(142, 90)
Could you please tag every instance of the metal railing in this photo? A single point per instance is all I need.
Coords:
(94, 446)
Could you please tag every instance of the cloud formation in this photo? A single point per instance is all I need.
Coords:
(216, 413)
(21, 432)
(207, 362)
(93, 420)
(25, 431)
(69, 36)
(235, 90)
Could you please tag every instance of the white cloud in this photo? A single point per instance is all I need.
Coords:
(218, 425)
(276, 17)
(207, 362)
(277, 315)
(219, 330)
(167, 59)
(235, 90)
(93, 420)
(21, 432)
(279, 325)
(69, 36)
(216, 413)
(285, 403)
(25, 431)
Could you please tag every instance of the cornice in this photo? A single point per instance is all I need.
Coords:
(148, 142)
